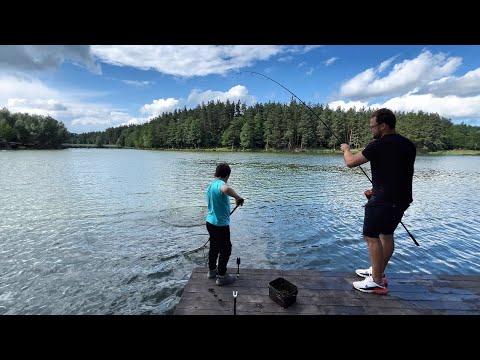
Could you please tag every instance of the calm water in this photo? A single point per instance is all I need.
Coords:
(103, 231)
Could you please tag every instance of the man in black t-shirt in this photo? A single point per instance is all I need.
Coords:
(392, 158)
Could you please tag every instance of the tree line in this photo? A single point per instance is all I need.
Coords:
(279, 126)
(34, 131)
(261, 126)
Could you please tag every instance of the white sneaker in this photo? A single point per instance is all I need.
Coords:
(366, 272)
(369, 286)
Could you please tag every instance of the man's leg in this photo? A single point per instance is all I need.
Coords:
(393, 215)
(388, 247)
(375, 250)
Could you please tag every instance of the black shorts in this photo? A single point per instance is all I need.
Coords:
(382, 219)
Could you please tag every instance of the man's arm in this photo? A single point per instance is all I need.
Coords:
(350, 159)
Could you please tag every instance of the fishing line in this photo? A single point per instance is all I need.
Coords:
(328, 127)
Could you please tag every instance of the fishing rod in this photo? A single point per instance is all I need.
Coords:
(328, 127)
(235, 209)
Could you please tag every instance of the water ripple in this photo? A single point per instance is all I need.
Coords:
(87, 231)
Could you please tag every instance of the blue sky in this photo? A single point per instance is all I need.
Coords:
(91, 88)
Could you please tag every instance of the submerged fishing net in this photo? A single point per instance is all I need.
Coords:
(198, 255)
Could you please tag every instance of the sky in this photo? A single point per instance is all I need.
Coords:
(92, 88)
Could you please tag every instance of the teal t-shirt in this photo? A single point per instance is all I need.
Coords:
(218, 204)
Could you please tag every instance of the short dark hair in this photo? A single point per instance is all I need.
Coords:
(385, 116)
(222, 170)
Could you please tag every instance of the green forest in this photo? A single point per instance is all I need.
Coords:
(31, 131)
(271, 126)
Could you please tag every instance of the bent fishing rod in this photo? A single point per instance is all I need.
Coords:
(328, 127)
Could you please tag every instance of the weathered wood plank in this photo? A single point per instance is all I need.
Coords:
(335, 299)
(331, 293)
(323, 274)
(262, 308)
(407, 292)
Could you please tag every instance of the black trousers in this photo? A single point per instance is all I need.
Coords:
(220, 247)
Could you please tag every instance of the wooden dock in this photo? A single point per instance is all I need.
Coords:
(331, 293)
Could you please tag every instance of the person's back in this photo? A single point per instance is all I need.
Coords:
(218, 204)
(392, 159)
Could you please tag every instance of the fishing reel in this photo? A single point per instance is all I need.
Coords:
(368, 194)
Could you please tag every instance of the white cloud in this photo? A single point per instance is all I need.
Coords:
(136, 121)
(238, 92)
(138, 83)
(32, 58)
(464, 86)
(160, 106)
(196, 97)
(44, 106)
(177, 60)
(404, 76)
(286, 59)
(31, 96)
(190, 60)
(330, 61)
(186, 60)
(34, 97)
(98, 115)
(347, 105)
(385, 64)
(424, 83)
(14, 87)
(302, 49)
(451, 107)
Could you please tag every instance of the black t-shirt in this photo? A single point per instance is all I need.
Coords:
(391, 158)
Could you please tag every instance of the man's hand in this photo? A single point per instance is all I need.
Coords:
(239, 201)
(344, 147)
(350, 159)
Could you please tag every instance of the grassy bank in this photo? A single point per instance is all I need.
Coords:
(455, 152)
(89, 146)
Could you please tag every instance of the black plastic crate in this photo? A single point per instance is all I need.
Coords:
(283, 292)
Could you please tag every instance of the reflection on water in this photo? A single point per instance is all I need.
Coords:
(105, 231)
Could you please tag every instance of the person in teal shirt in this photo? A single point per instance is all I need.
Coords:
(218, 224)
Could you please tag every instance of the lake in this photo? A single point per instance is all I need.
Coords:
(104, 231)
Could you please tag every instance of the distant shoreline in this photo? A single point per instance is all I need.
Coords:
(295, 151)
